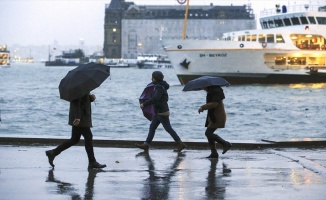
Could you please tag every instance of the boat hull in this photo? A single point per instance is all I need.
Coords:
(236, 79)
(241, 62)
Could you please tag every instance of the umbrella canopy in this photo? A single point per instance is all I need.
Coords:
(83, 79)
(148, 111)
(205, 81)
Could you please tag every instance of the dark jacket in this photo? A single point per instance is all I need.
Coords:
(216, 116)
(81, 109)
(160, 97)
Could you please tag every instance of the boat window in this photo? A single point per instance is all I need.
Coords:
(308, 41)
(243, 37)
(304, 20)
(248, 37)
(321, 20)
(271, 24)
(318, 60)
(264, 25)
(295, 21)
(287, 22)
(280, 60)
(270, 38)
(297, 60)
(279, 38)
(261, 38)
(239, 38)
(278, 23)
(312, 20)
(254, 38)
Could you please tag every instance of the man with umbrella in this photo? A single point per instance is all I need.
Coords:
(75, 87)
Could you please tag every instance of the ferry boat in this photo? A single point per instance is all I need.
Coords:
(4, 57)
(290, 48)
(153, 61)
(117, 63)
(68, 58)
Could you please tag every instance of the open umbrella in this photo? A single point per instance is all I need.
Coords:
(205, 81)
(83, 79)
(148, 111)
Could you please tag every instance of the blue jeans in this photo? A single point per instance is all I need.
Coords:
(165, 121)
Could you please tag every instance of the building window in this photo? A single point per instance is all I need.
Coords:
(114, 30)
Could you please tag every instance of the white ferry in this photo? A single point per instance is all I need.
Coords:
(290, 48)
(153, 61)
(4, 57)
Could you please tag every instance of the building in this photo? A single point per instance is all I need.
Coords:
(131, 29)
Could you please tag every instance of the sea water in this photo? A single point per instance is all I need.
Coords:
(30, 106)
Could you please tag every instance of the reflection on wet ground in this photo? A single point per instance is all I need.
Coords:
(163, 174)
(65, 188)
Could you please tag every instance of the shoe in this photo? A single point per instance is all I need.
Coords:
(226, 147)
(51, 156)
(180, 146)
(143, 146)
(95, 164)
(213, 155)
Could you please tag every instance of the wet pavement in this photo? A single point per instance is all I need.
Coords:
(163, 174)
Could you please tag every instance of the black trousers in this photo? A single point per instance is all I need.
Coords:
(76, 133)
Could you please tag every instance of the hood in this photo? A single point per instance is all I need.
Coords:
(164, 84)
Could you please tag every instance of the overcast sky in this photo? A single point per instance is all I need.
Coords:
(41, 22)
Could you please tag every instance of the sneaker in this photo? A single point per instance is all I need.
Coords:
(51, 156)
(95, 164)
(143, 146)
(226, 147)
(180, 146)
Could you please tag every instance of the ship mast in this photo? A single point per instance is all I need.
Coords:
(186, 18)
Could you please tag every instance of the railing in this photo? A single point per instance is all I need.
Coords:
(292, 9)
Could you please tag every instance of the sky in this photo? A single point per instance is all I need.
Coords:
(75, 22)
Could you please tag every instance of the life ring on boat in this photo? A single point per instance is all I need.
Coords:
(179, 47)
(241, 45)
(264, 44)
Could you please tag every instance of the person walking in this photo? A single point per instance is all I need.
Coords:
(161, 109)
(80, 118)
(216, 118)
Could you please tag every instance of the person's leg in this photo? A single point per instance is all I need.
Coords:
(75, 138)
(168, 128)
(88, 137)
(225, 144)
(211, 142)
(152, 129)
(151, 133)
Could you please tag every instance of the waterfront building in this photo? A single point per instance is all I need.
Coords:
(130, 29)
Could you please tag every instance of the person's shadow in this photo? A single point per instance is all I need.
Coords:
(65, 188)
(216, 184)
(158, 186)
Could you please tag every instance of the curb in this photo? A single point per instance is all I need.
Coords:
(263, 144)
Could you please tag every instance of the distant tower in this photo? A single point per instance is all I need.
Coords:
(112, 29)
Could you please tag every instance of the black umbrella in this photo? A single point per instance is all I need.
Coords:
(83, 79)
(205, 81)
